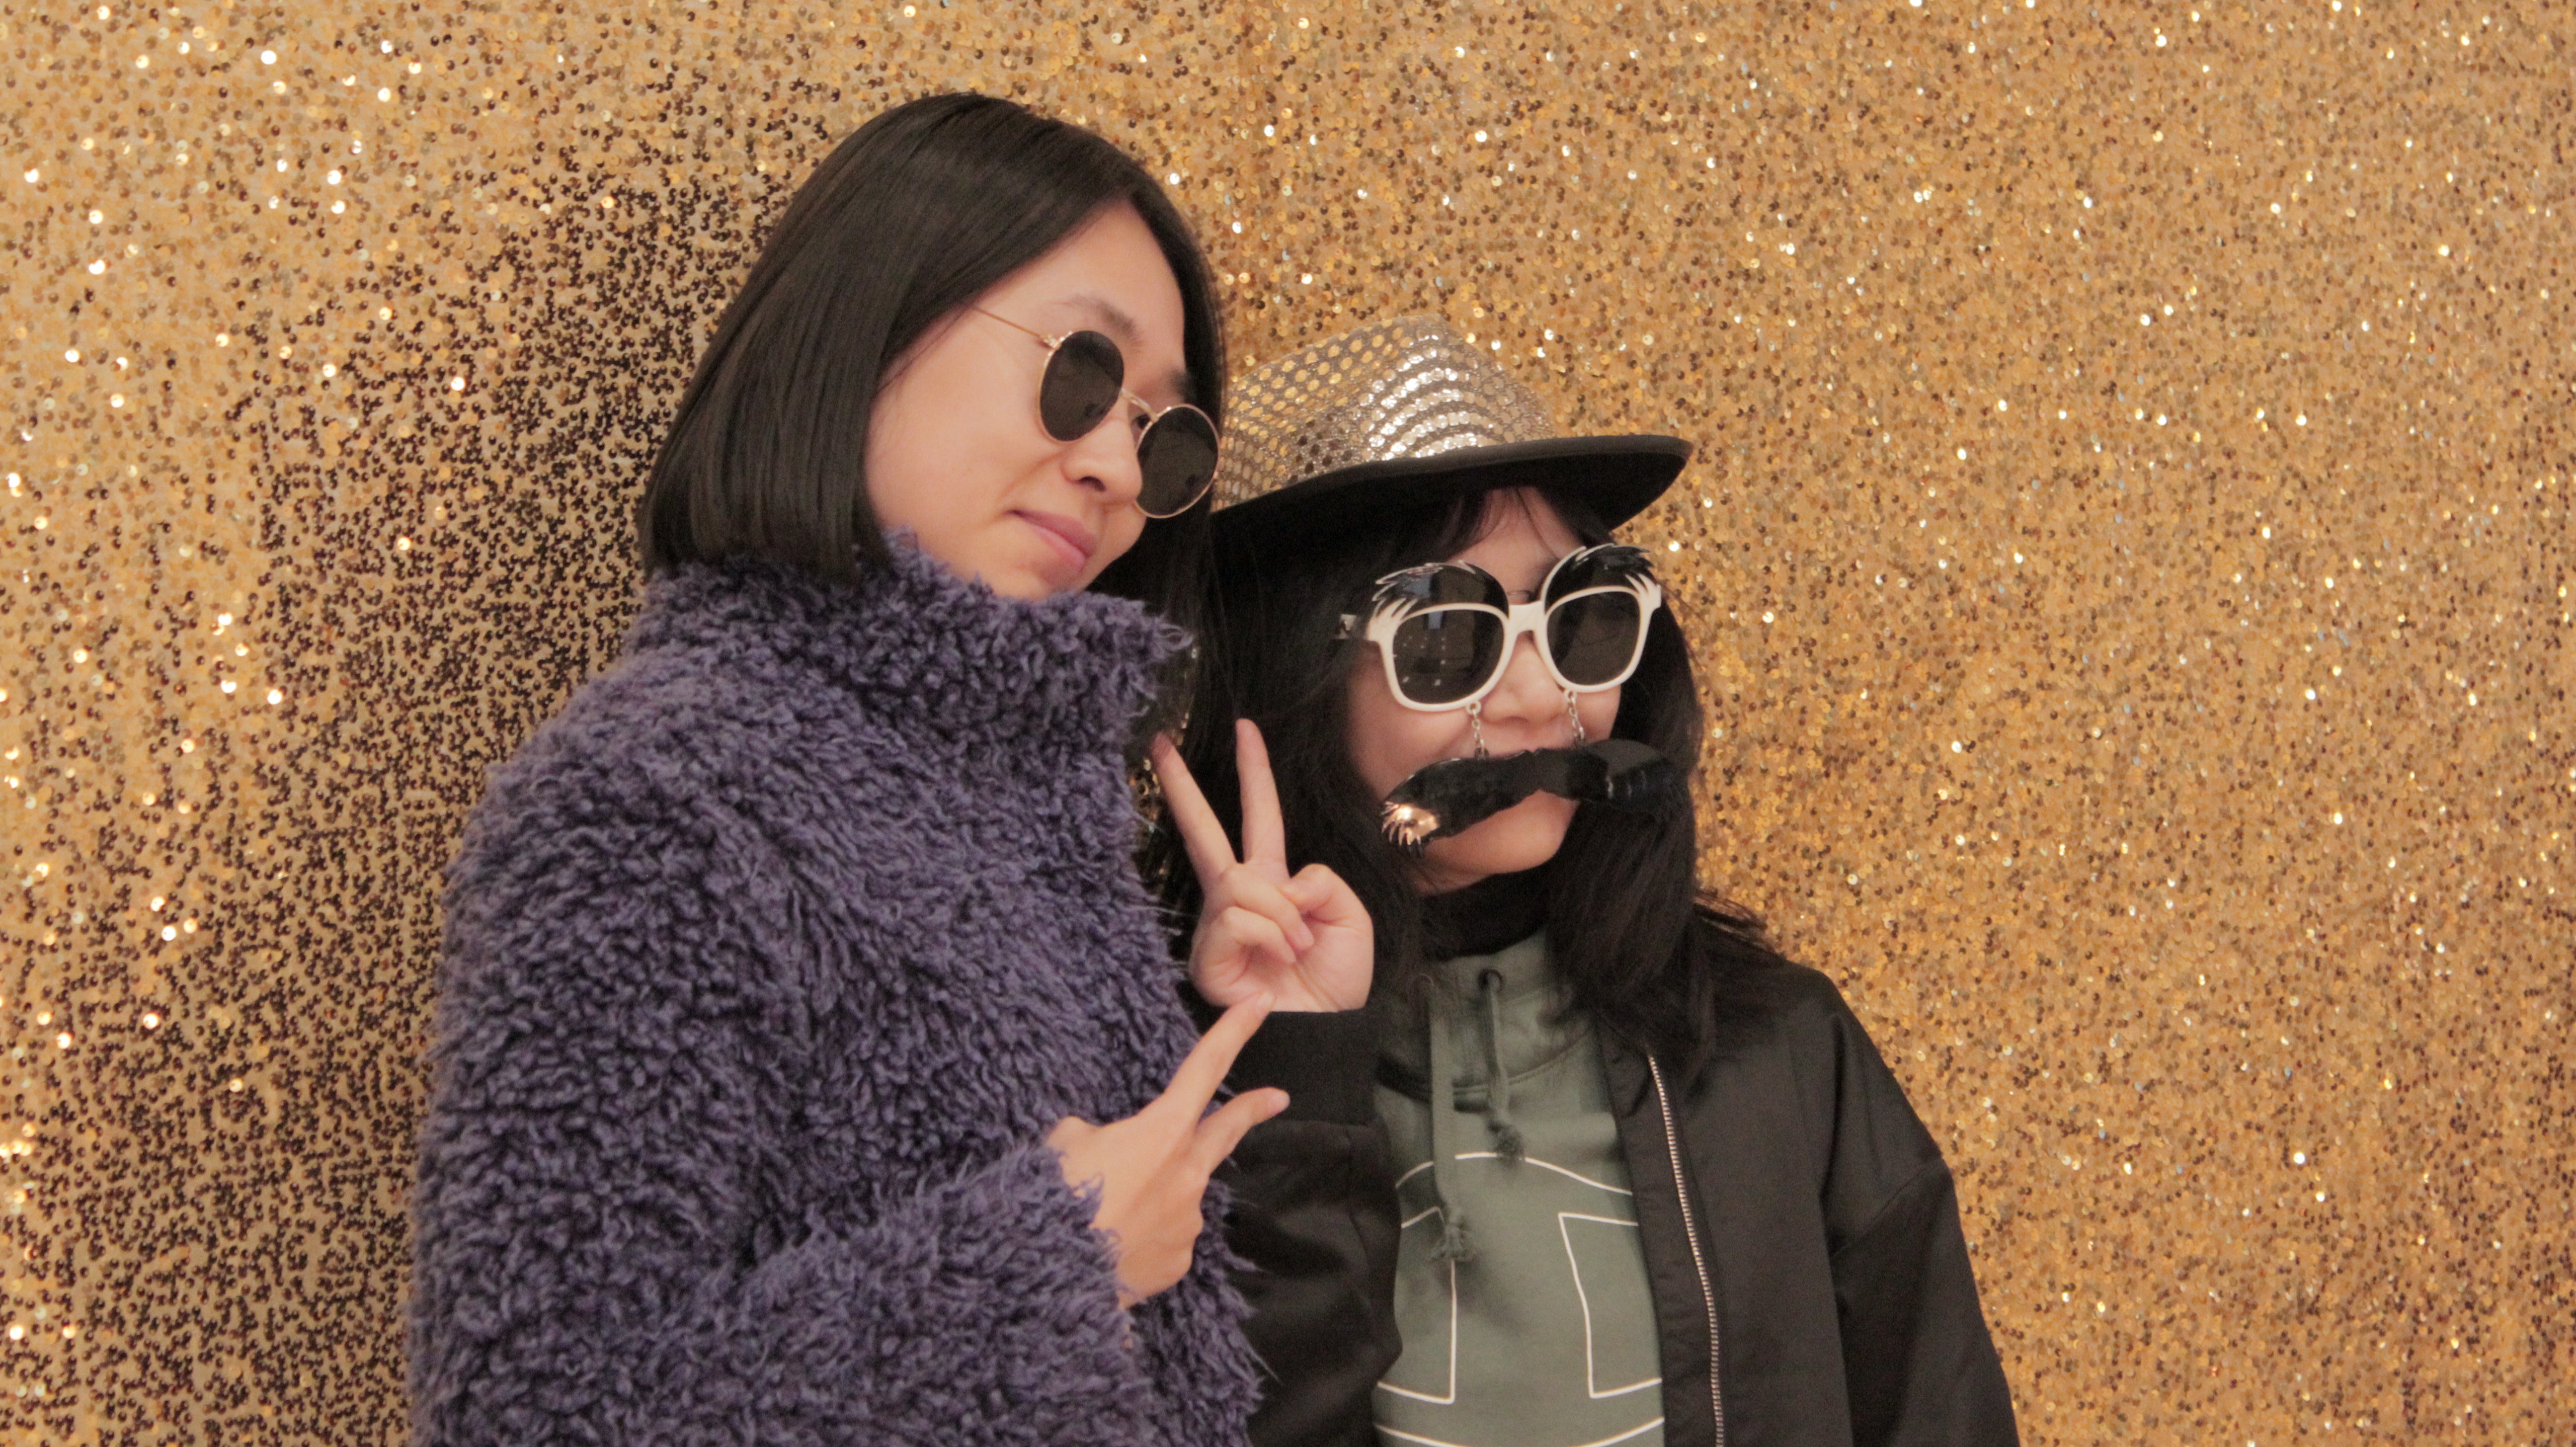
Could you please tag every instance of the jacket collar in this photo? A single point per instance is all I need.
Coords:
(912, 641)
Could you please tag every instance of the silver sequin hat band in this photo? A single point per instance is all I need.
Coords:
(1399, 413)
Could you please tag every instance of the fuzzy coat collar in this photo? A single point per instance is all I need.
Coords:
(918, 646)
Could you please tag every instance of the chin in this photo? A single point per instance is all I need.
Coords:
(1023, 587)
(1014, 580)
(1524, 836)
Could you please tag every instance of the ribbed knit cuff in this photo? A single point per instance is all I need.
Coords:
(1325, 1059)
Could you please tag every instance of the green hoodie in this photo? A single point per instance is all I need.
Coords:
(1521, 1286)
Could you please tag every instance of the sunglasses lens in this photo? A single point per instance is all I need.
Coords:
(1443, 655)
(1177, 456)
(1608, 565)
(1080, 386)
(1593, 636)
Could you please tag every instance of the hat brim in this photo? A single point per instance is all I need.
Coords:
(1619, 476)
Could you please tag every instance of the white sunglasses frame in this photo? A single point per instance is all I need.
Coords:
(1520, 618)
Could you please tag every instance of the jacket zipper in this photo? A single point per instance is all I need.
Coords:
(1699, 1263)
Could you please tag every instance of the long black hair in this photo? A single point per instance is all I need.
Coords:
(917, 213)
(1621, 896)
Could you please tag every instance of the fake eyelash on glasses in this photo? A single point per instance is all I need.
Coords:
(1617, 562)
(1620, 563)
(1392, 597)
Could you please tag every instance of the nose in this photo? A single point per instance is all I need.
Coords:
(1527, 704)
(1104, 459)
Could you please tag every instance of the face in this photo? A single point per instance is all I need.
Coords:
(1523, 538)
(957, 454)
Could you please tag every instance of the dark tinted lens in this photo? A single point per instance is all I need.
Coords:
(1177, 456)
(1607, 565)
(1080, 386)
(1593, 637)
(1446, 654)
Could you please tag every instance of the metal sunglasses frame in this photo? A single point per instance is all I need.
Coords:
(1153, 417)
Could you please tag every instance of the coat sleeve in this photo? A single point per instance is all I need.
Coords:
(590, 1259)
(1314, 1220)
(1919, 1365)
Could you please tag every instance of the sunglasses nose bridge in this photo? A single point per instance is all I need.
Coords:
(1524, 675)
(1105, 458)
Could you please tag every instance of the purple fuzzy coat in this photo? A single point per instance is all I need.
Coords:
(769, 964)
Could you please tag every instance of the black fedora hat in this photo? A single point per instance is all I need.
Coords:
(1341, 434)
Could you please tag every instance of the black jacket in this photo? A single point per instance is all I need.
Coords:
(1800, 1229)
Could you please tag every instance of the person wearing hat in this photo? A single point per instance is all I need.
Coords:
(1586, 1161)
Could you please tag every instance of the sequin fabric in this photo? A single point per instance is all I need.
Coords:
(1408, 387)
(2127, 552)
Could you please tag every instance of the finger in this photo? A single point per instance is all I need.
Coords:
(1238, 932)
(1265, 836)
(1196, 1082)
(1319, 892)
(1246, 889)
(1223, 1130)
(1201, 833)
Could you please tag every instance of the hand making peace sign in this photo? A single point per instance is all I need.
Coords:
(1152, 1168)
(1303, 940)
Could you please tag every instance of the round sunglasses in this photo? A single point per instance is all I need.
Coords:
(1446, 630)
(1086, 376)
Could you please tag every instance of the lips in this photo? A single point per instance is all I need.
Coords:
(1070, 539)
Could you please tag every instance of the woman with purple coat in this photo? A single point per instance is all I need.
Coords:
(790, 970)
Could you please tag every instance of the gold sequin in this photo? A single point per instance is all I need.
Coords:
(2257, 1115)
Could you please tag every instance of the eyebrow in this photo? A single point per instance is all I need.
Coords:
(1124, 330)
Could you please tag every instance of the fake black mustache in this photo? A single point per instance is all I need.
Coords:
(1457, 794)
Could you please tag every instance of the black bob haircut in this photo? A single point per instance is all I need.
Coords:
(917, 213)
(1650, 959)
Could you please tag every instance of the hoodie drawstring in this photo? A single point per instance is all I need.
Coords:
(1454, 1244)
(1498, 1082)
(1444, 1135)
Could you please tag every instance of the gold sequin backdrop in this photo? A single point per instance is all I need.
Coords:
(2128, 553)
